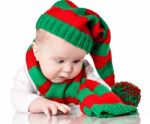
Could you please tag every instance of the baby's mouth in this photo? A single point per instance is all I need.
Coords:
(62, 77)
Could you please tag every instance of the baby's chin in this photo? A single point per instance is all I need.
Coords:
(58, 80)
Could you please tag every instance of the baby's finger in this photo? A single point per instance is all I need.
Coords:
(62, 108)
(46, 112)
(53, 110)
(67, 107)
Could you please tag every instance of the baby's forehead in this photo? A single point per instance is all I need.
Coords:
(42, 34)
(58, 44)
(45, 35)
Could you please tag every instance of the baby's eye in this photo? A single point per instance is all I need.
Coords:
(60, 61)
(76, 61)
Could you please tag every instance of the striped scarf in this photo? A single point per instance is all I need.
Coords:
(94, 98)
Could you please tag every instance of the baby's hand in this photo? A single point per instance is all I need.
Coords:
(47, 106)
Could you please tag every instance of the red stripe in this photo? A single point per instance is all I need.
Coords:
(90, 84)
(110, 80)
(108, 37)
(90, 12)
(97, 32)
(60, 100)
(80, 75)
(71, 100)
(30, 59)
(80, 22)
(45, 87)
(100, 61)
(107, 98)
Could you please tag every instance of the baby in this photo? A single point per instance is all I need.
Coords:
(56, 73)
(58, 60)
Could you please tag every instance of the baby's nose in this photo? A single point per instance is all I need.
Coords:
(67, 68)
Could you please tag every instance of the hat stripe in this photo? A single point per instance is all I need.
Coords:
(110, 80)
(69, 13)
(106, 71)
(100, 49)
(100, 61)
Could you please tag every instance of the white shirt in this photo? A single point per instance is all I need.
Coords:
(24, 90)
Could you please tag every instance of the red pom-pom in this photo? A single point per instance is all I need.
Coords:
(128, 93)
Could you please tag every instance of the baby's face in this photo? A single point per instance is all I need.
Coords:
(58, 59)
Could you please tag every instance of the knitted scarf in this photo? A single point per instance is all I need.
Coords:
(94, 98)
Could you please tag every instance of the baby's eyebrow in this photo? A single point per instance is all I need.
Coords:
(60, 57)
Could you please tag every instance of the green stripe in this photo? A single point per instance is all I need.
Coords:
(84, 93)
(105, 27)
(104, 23)
(106, 71)
(92, 19)
(35, 74)
(88, 111)
(101, 89)
(110, 110)
(100, 49)
(66, 6)
(65, 31)
(72, 89)
(63, 5)
(56, 90)
(83, 80)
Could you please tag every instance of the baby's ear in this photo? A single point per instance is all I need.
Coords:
(35, 50)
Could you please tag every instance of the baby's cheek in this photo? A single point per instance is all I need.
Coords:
(76, 71)
(49, 72)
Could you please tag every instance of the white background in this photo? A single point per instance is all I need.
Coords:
(129, 22)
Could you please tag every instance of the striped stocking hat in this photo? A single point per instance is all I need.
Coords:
(84, 29)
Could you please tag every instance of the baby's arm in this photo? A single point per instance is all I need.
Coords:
(22, 93)
(26, 99)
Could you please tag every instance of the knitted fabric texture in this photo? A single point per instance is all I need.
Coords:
(94, 98)
(82, 28)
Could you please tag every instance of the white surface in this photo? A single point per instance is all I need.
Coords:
(130, 29)
(73, 118)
